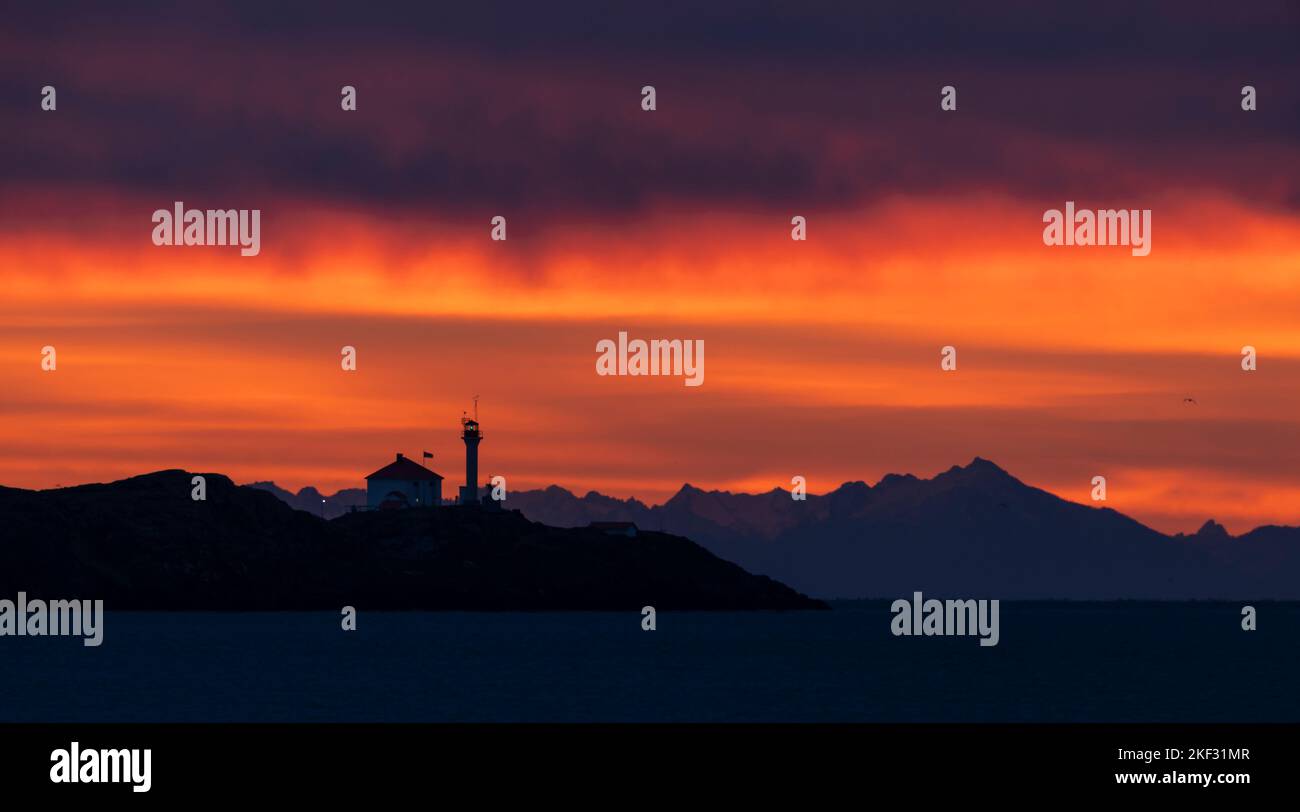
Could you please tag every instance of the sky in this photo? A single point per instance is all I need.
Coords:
(924, 230)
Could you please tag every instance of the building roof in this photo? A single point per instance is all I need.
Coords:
(404, 469)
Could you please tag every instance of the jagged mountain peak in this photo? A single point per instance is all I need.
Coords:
(1213, 530)
(894, 480)
(981, 467)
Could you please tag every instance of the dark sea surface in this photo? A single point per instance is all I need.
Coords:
(1099, 662)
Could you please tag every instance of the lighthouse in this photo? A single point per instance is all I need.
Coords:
(470, 434)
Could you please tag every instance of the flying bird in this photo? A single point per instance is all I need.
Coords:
(1190, 400)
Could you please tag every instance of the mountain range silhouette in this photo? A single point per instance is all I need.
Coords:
(972, 531)
(969, 532)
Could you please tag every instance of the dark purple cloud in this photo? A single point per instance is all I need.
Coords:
(472, 109)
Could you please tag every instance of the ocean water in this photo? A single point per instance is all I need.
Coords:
(1054, 662)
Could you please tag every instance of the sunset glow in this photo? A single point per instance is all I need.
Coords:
(823, 356)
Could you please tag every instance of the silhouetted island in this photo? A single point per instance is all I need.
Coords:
(144, 543)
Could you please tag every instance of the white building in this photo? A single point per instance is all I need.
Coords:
(403, 483)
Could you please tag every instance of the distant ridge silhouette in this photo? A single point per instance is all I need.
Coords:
(971, 530)
(309, 499)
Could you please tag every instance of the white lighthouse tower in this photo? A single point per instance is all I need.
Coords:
(472, 437)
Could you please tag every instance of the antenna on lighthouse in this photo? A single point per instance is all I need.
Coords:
(476, 408)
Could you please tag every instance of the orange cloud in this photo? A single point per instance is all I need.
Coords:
(822, 357)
